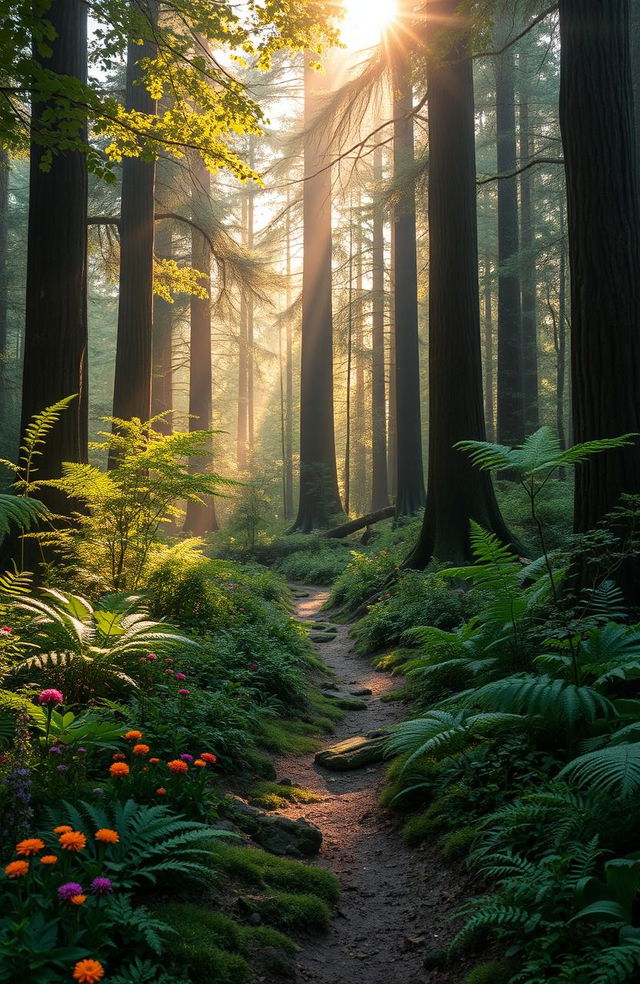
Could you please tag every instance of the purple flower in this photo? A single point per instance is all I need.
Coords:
(101, 886)
(186, 757)
(51, 697)
(97, 791)
(55, 750)
(81, 749)
(180, 676)
(68, 890)
(62, 768)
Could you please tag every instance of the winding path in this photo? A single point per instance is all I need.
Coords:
(396, 903)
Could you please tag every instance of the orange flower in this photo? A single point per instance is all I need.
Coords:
(209, 757)
(73, 841)
(107, 836)
(62, 830)
(161, 791)
(153, 761)
(133, 735)
(119, 769)
(88, 972)
(16, 869)
(177, 765)
(30, 846)
(199, 764)
(48, 859)
(78, 899)
(141, 749)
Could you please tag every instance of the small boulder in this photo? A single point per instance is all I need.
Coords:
(294, 838)
(361, 692)
(354, 753)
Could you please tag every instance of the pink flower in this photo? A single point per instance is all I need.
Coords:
(169, 659)
(152, 657)
(180, 676)
(169, 672)
(253, 666)
(50, 697)
(184, 693)
(5, 630)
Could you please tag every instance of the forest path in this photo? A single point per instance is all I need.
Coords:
(396, 904)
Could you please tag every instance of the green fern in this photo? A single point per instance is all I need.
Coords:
(614, 770)
(141, 925)
(438, 732)
(556, 702)
(145, 972)
(616, 964)
(20, 511)
(33, 440)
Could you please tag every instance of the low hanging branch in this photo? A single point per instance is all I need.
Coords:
(521, 170)
(345, 529)
(114, 220)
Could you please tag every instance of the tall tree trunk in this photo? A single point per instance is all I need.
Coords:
(379, 487)
(250, 328)
(55, 343)
(162, 339)
(528, 262)
(510, 422)
(596, 119)
(4, 297)
(489, 402)
(457, 492)
(319, 497)
(132, 386)
(288, 420)
(243, 376)
(562, 337)
(359, 497)
(410, 493)
(392, 425)
(634, 47)
(200, 517)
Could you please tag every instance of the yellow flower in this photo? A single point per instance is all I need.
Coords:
(73, 840)
(48, 859)
(16, 869)
(29, 846)
(107, 836)
(88, 972)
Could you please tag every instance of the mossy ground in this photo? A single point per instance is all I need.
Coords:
(276, 795)
(263, 870)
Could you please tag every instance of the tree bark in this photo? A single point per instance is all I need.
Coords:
(410, 492)
(243, 372)
(489, 401)
(4, 229)
(596, 119)
(379, 487)
(55, 342)
(457, 492)
(132, 386)
(162, 339)
(200, 517)
(288, 417)
(510, 420)
(528, 262)
(319, 499)
(359, 486)
(392, 425)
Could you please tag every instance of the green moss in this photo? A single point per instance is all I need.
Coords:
(259, 765)
(285, 737)
(458, 844)
(325, 707)
(394, 660)
(266, 936)
(276, 796)
(488, 973)
(294, 910)
(203, 943)
(419, 827)
(268, 871)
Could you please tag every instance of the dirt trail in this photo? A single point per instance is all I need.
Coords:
(396, 903)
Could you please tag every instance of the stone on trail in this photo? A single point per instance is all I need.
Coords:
(361, 692)
(295, 838)
(354, 753)
(321, 636)
(344, 700)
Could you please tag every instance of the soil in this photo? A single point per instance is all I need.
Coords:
(397, 904)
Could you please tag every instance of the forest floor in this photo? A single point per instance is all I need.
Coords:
(397, 903)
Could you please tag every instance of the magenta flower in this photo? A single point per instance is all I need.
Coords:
(184, 693)
(68, 890)
(50, 697)
(180, 676)
(152, 657)
(186, 757)
(101, 886)
(253, 666)
(55, 750)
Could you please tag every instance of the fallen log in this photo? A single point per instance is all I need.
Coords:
(345, 529)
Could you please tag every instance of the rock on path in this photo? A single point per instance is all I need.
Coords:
(396, 903)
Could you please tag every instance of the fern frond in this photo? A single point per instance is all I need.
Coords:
(614, 769)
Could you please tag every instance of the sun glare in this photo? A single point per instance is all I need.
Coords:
(364, 22)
